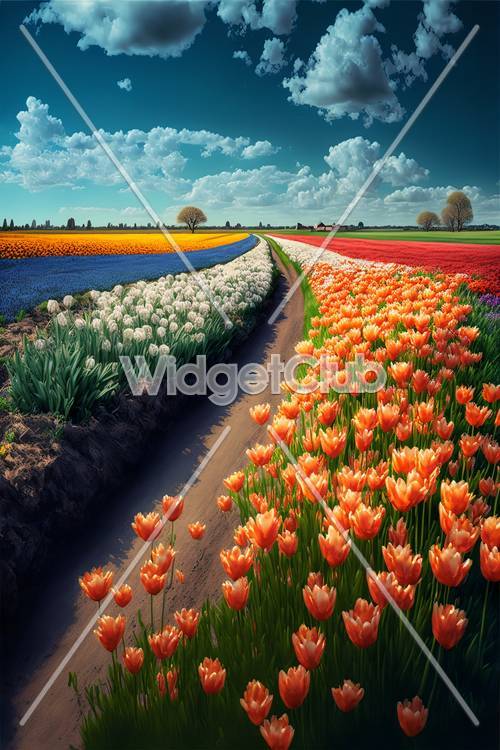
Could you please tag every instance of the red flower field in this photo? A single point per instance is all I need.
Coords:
(478, 260)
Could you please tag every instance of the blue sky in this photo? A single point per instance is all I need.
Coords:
(271, 111)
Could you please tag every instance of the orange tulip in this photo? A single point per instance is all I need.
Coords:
(180, 576)
(260, 455)
(172, 677)
(487, 487)
(260, 413)
(363, 440)
(475, 415)
(333, 441)
(147, 527)
(224, 503)
(464, 394)
(294, 686)
(172, 507)
(366, 521)
(320, 600)
(406, 566)
(235, 482)
(164, 644)
(491, 450)
(443, 428)
(388, 416)
(365, 419)
(133, 659)
(263, 529)
(282, 430)
(361, 623)
(398, 535)
(162, 557)
(152, 580)
(96, 584)
(404, 460)
(197, 529)
(470, 444)
(334, 547)
(277, 733)
(123, 595)
(212, 675)
(448, 624)
(348, 695)
(327, 412)
(404, 495)
(412, 716)
(288, 543)
(490, 392)
(490, 531)
(447, 565)
(236, 593)
(110, 631)
(187, 621)
(403, 596)
(236, 562)
(256, 702)
(463, 534)
(313, 486)
(160, 681)
(309, 645)
(376, 476)
(489, 559)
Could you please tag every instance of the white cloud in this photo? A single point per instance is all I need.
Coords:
(353, 160)
(345, 74)
(149, 27)
(125, 84)
(277, 15)
(440, 18)
(272, 58)
(414, 194)
(46, 156)
(258, 150)
(241, 54)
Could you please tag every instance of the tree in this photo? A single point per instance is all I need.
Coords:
(361, 225)
(11, 225)
(33, 224)
(191, 216)
(461, 207)
(427, 219)
(4, 225)
(448, 217)
(228, 225)
(89, 224)
(71, 223)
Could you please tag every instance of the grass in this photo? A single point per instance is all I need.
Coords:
(482, 237)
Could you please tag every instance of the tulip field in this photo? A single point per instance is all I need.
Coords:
(364, 519)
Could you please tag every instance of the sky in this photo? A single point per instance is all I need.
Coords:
(253, 110)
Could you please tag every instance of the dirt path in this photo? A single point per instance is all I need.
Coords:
(56, 612)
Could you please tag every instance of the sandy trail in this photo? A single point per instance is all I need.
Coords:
(56, 612)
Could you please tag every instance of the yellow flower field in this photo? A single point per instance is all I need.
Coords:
(39, 244)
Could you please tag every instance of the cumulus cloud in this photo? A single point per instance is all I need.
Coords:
(241, 54)
(149, 27)
(258, 150)
(278, 16)
(46, 155)
(345, 75)
(414, 194)
(353, 160)
(272, 58)
(125, 84)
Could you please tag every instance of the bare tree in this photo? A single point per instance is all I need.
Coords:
(460, 205)
(427, 219)
(448, 217)
(192, 216)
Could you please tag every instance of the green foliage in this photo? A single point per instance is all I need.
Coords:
(58, 378)
(5, 404)
(20, 315)
(9, 436)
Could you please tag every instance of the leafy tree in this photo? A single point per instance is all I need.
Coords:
(11, 225)
(192, 216)
(461, 207)
(89, 224)
(71, 223)
(448, 217)
(427, 219)
(4, 225)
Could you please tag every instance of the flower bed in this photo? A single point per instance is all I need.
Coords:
(29, 281)
(303, 648)
(482, 261)
(73, 366)
(16, 245)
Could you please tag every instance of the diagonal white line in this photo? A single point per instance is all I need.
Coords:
(124, 173)
(382, 588)
(133, 563)
(376, 169)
